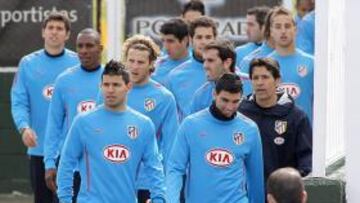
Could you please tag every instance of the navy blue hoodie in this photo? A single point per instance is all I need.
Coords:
(286, 134)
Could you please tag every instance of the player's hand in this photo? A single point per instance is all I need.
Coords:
(148, 201)
(29, 137)
(50, 179)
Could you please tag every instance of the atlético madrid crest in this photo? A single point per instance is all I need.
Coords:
(280, 127)
(302, 70)
(132, 132)
(238, 138)
(149, 104)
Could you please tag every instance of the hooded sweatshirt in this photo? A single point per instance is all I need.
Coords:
(286, 134)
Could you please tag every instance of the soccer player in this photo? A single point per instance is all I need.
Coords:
(75, 92)
(149, 98)
(255, 19)
(185, 79)
(306, 33)
(193, 10)
(175, 39)
(286, 185)
(264, 50)
(32, 91)
(297, 67)
(285, 130)
(219, 58)
(109, 144)
(219, 149)
(302, 8)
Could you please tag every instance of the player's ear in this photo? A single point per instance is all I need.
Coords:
(304, 196)
(129, 85)
(270, 198)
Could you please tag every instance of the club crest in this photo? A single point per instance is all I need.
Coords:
(132, 132)
(149, 104)
(302, 70)
(280, 127)
(238, 138)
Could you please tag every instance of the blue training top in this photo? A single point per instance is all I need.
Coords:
(32, 90)
(222, 160)
(109, 147)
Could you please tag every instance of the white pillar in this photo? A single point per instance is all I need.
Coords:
(352, 100)
(115, 27)
(320, 88)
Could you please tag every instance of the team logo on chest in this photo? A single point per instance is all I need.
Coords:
(116, 153)
(302, 70)
(238, 138)
(132, 132)
(219, 157)
(48, 92)
(85, 106)
(149, 104)
(280, 127)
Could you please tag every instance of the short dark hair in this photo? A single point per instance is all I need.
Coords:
(194, 5)
(93, 32)
(57, 16)
(116, 68)
(260, 13)
(203, 21)
(176, 27)
(225, 50)
(229, 82)
(286, 185)
(270, 64)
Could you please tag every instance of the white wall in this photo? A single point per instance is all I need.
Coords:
(329, 96)
(352, 100)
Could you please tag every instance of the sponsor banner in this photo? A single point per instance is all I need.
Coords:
(146, 17)
(21, 20)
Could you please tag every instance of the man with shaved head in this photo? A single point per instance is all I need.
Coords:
(75, 92)
(286, 186)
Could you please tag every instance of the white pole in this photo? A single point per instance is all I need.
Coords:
(352, 100)
(320, 89)
(116, 27)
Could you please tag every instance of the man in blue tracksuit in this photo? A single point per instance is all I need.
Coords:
(266, 48)
(175, 40)
(151, 99)
(306, 33)
(220, 151)
(285, 130)
(32, 91)
(109, 144)
(75, 92)
(219, 58)
(297, 67)
(185, 79)
(255, 20)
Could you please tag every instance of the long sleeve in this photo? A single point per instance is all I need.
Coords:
(152, 164)
(54, 128)
(169, 127)
(177, 164)
(71, 154)
(20, 106)
(304, 146)
(254, 168)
